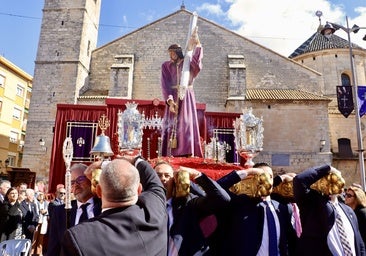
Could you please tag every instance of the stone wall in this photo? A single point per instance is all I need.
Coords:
(68, 35)
(265, 69)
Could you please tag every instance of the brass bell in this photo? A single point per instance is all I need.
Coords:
(102, 146)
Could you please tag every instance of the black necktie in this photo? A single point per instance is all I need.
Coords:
(84, 214)
(272, 234)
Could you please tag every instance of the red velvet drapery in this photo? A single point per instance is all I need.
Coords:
(68, 112)
(211, 168)
(149, 108)
(65, 113)
(219, 120)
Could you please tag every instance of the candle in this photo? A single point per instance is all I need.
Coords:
(148, 148)
(204, 150)
(213, 148)
(159, 147)
(217, 151)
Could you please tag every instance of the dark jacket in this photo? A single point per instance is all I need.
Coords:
(58, 224)
(191, 211)
(139, 229)
(361, 218)
(30, 217)
(11, 221)
(240, 227)
(317, 215)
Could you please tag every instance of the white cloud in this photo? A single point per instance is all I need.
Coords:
(282, 25)
(213, 9)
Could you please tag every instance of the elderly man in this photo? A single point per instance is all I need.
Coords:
(4, 186)
(85, 206)
(30, 213)
(59, 200)
(134, 218)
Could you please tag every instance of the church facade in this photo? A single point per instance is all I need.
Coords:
(71, 73)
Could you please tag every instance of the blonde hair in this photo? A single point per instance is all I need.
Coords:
(360, 195)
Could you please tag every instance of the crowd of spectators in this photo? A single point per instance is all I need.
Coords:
(140, 209)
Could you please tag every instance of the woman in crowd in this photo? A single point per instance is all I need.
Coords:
(11, 216)
(41, 230)
(356, 199)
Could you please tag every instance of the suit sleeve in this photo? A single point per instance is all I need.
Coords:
(229, 180)
(56, 227)
(69, 245)
(150, 180)
(305, 179)
(216, 197)
(277, 181)
(361, 218)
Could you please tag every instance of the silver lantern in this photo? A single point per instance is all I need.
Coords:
(248, 132)
(130, 130)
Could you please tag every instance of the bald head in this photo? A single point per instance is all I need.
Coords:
(119, 182)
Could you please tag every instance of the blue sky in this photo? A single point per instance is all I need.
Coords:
(280, 25)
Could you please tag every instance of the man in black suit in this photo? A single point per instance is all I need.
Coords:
(60, 221)
(243, 227)
(190, 213)
(134, 218)
(320, 232)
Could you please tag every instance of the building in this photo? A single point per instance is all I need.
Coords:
(329, 54)
(237, 74)
(69, 32)
(15, 94)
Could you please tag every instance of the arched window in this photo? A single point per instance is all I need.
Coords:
(346, 81)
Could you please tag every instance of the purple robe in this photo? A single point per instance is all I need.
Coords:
(188, 134)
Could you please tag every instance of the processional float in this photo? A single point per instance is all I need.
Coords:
(248, 133)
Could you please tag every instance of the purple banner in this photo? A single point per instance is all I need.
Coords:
(82, 135)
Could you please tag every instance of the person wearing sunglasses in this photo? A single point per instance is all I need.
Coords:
(85, 206)
(59, 200)
(356, 199)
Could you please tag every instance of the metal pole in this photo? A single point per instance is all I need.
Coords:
(357, 114)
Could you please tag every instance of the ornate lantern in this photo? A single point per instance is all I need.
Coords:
(130, 129)
(248, 132)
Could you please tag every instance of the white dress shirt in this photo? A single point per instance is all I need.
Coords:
(263, 250)
(333, 240)
(89, 210)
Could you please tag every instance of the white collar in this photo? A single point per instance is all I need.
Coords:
(90, 201)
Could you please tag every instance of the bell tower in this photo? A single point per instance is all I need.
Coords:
(69, 34)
